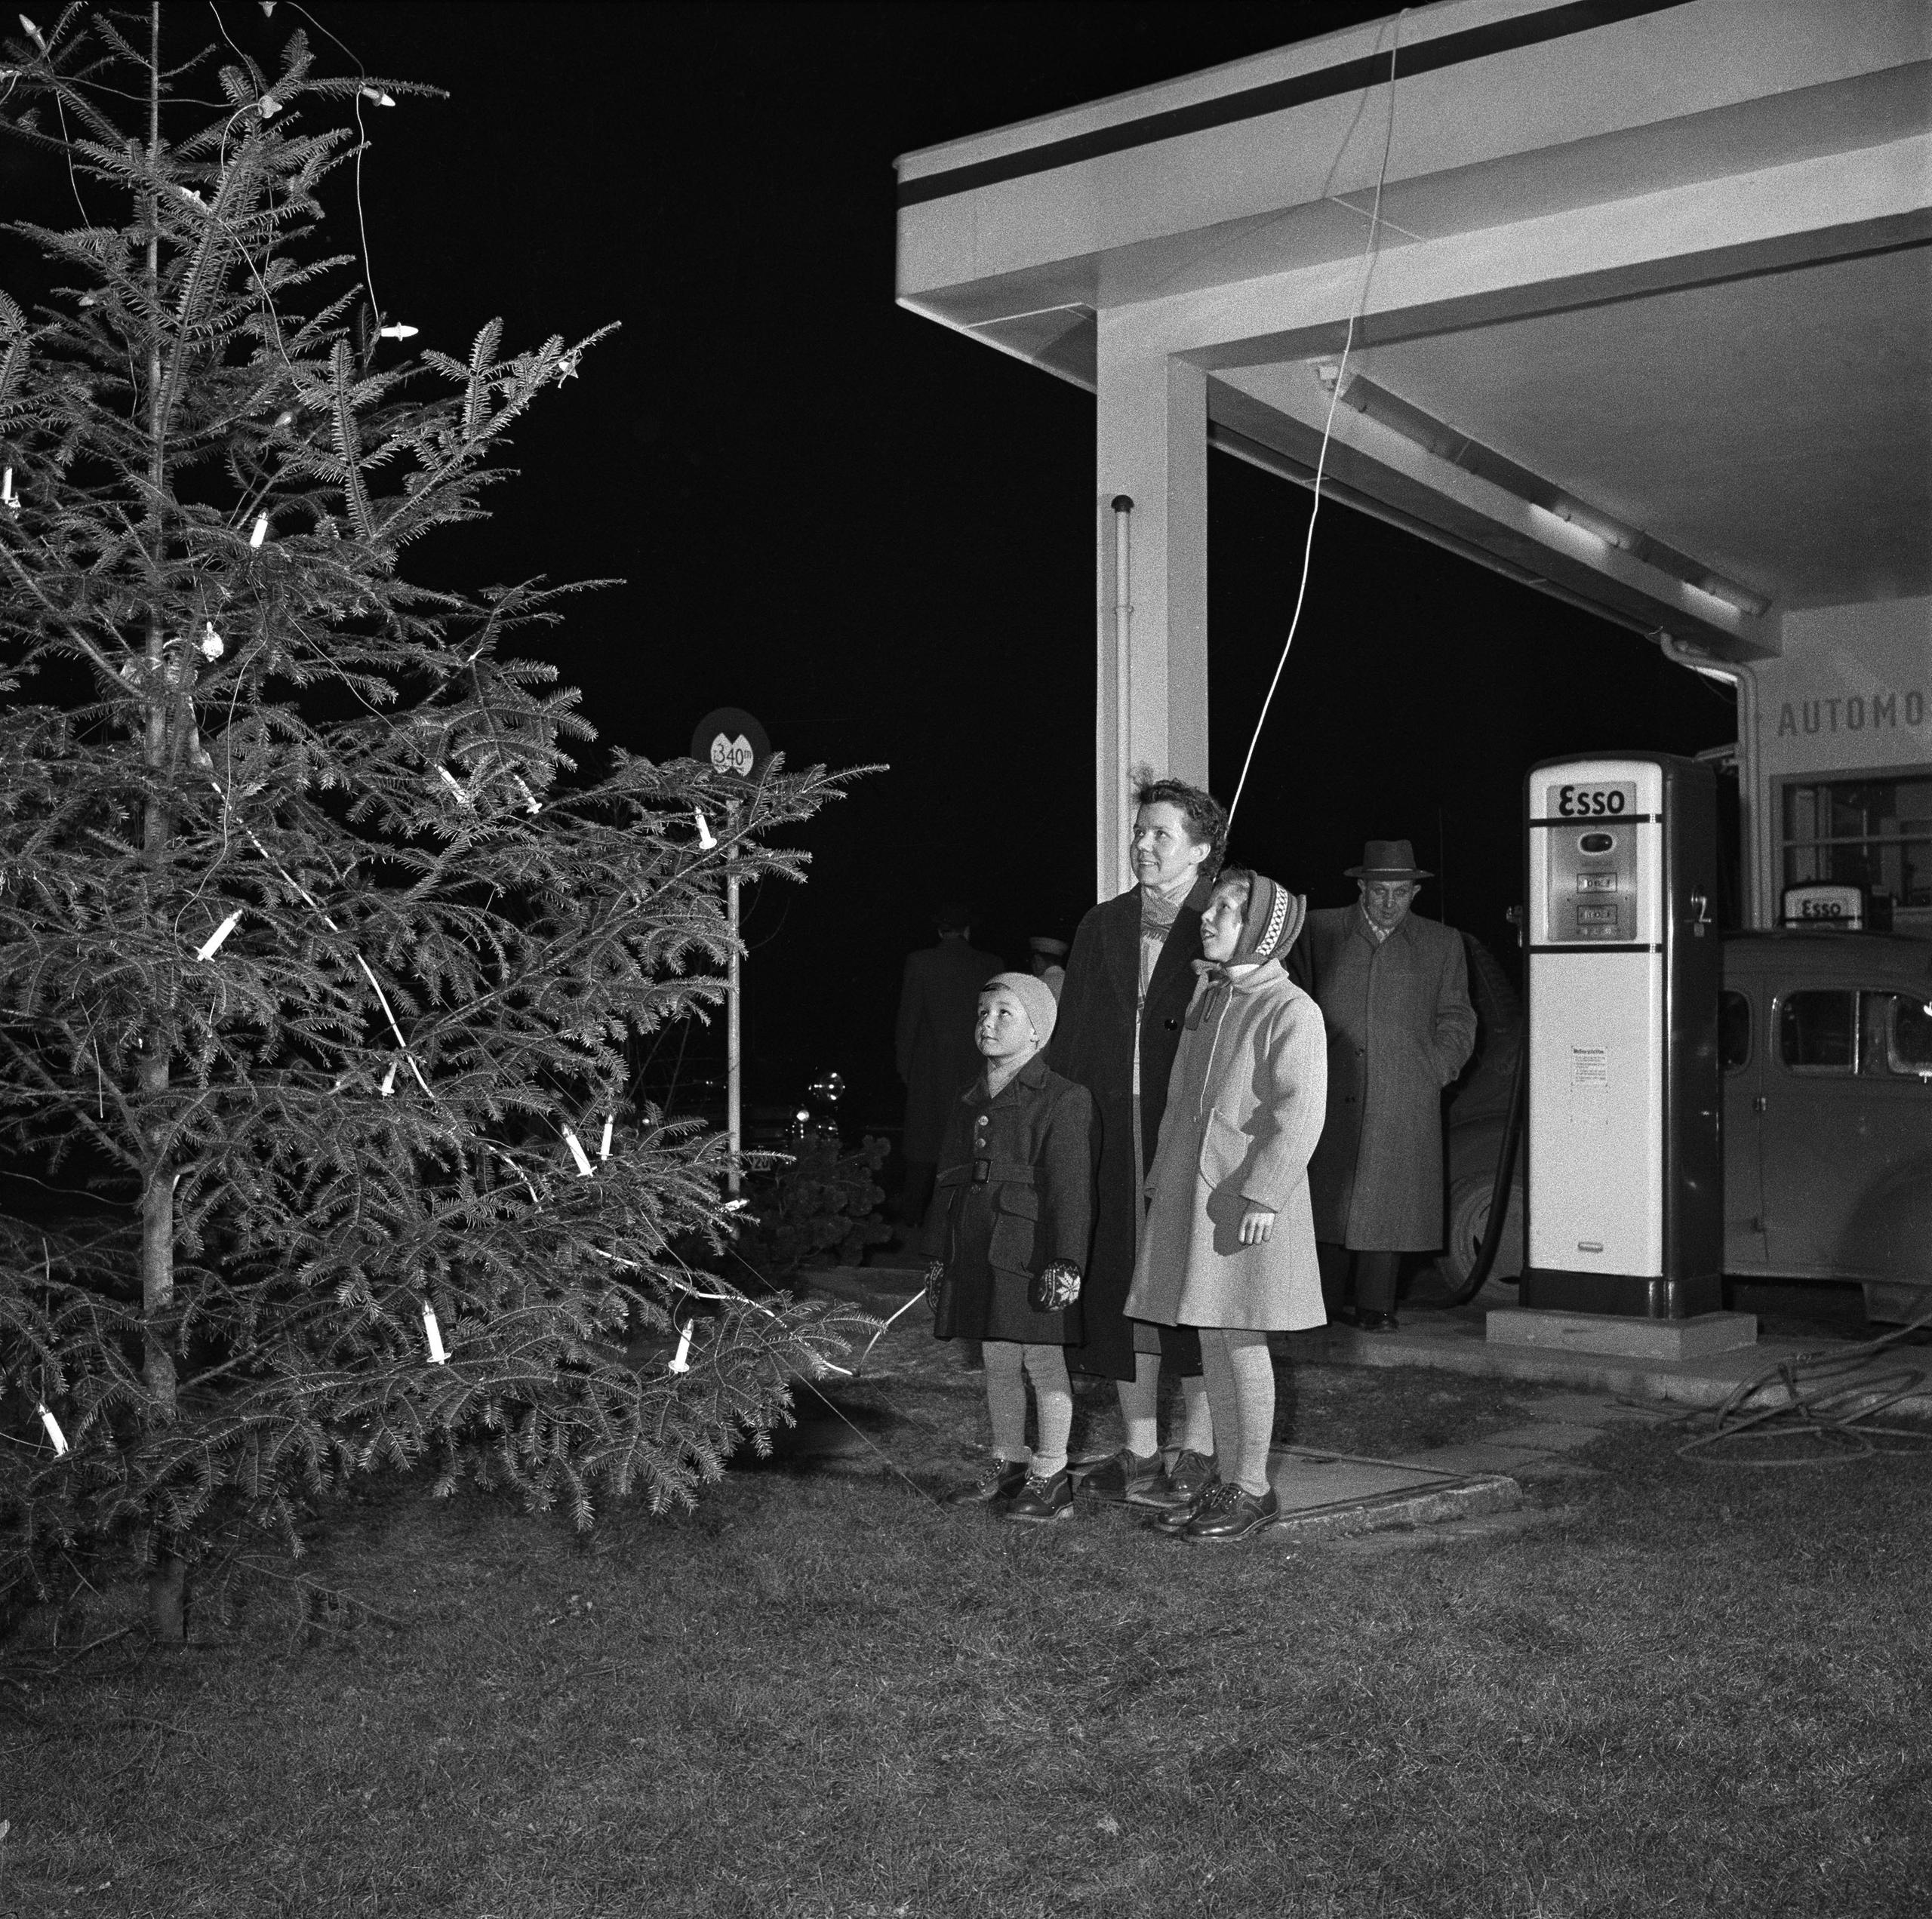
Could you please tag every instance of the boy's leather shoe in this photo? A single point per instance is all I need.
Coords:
(1042, 1500)
(1228, 1513)
(1125, 1478)
(1001, 1480)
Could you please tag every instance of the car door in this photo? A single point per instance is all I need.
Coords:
(1814, 1130)
(1740, 1058)
(1846, 1088)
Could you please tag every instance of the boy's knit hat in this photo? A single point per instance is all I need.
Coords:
(1035, 995)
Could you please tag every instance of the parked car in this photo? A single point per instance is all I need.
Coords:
(1826, 1042)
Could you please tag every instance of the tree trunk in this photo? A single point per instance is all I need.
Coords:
(167, 1578)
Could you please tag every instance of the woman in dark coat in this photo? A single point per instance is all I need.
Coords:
(1007, 1241)
(1128, 982)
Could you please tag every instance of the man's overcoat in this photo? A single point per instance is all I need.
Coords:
(1400, 1027)
(937, 1004)
(1015, 1193)
(1093, 1045)
(1245, 1109)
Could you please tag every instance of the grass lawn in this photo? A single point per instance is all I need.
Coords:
(1694, 1689)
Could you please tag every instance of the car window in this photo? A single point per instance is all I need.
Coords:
(1895, 1036)
(1733, 1030)
(1818, 1032)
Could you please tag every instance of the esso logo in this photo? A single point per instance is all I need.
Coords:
(732, 755)
(1823, 909)
(1589, 802)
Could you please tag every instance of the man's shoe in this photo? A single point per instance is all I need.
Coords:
(1374, 1322)
(1229, 1513)
(1126, 1478)
(1183, 1482)
(1043, 1499)
(1001, 1480)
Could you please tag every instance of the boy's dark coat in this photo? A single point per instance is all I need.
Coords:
(1035, 1140)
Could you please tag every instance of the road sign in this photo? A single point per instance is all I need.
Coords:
(731, 741)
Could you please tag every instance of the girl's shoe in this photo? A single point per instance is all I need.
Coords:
(1230, 1513)
(1040, 1499)
(1181, 1515)
(1181, 1484)
(1001, 1480)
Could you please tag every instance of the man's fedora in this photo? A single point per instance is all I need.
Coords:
(1389, 859)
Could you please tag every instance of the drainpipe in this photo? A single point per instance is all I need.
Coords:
(1759, 891)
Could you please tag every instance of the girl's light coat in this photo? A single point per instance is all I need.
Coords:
(1245, 1110)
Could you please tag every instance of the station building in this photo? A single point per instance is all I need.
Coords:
(1632, 303)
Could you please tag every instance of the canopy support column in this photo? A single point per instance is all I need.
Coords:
(1152, 711)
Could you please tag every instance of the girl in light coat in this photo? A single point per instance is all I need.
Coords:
(1229, 1242)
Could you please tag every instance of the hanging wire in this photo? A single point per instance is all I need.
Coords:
(1328, 425)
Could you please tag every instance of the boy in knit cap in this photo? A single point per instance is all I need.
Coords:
(1007, 1241)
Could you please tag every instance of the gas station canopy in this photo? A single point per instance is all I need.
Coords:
(1643, 322)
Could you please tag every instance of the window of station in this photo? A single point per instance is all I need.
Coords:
(1874, 833)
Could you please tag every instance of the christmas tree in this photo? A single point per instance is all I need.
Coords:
(319, 954)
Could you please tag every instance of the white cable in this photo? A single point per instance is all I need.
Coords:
(1328, 425)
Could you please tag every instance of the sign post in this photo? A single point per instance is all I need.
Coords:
(733, 743)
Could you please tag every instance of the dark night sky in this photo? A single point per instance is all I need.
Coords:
(876, 535)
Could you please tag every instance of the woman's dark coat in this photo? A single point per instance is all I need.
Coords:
(1015, 1192)
(1093, 1045)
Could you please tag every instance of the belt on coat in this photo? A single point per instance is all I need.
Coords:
(983, 1172)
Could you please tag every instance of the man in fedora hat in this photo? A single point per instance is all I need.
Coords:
(1395, 991)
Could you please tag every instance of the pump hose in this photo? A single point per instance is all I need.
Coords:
(1499, 1191)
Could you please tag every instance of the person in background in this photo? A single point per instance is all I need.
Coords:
(1006, 1244)
(1129, 979)
(1229, 1246)
(1394, 990)
(1049, 962)
(934, 1044)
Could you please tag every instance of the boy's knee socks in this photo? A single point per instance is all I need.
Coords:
(1053, 1405)
(1006, 1398)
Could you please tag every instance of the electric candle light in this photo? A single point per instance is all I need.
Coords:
(212, 944)
(438, 1353)
(53, 1432)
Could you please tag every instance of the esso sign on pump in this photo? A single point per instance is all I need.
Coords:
(1825, 906)
(1625, 1172)
(1598, 802)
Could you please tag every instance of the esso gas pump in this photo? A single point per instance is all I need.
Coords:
(1624, 1189)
